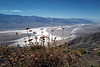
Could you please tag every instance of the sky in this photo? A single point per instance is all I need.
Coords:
(89, 9)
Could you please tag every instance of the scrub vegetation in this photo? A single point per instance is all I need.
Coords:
(45, 53)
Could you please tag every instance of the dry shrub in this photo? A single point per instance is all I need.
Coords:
(36, 54)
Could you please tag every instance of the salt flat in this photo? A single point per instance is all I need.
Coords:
(70, 32)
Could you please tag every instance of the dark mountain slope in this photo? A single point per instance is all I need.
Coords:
(88, 42)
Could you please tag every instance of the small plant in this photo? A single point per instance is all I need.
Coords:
(62, 34)
(82, 51)
(35, 53)
(98, 53)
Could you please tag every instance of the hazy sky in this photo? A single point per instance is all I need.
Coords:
(52, 8)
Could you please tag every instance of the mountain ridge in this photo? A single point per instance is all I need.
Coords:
(18, 21)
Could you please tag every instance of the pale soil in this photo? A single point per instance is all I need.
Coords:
(8, 38)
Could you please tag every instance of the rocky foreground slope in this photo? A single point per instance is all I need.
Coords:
(88, 42)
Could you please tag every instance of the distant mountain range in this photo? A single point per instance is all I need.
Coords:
(19, 22)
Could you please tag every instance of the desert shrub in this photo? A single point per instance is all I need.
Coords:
(38, 47)
(36, 54)
(98, 53)
(92, 65)
(39, 57)
(82, 51)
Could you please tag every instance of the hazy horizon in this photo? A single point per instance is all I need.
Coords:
(52, 8)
